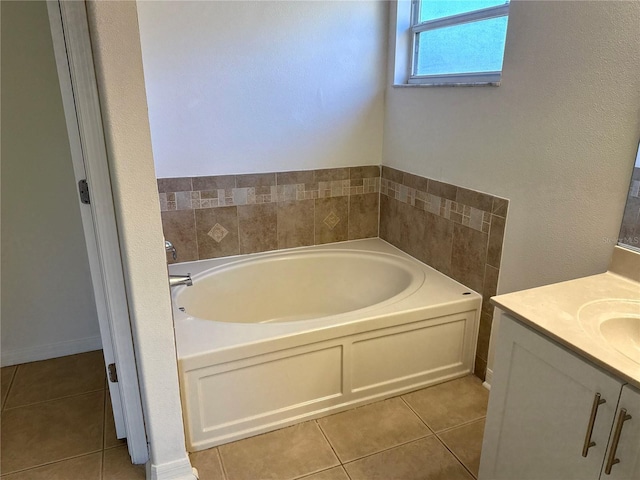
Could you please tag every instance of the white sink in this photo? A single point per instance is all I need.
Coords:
(617, 322)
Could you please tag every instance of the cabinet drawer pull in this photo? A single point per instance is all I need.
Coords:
(597, 401)
(612, 460)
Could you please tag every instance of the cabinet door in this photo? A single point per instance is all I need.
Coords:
(628, 445)
(542, 397)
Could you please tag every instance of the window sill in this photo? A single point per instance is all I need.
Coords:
(432, 85)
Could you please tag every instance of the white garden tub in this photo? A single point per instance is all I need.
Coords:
(269, 340)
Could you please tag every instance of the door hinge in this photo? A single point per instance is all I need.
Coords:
(113, 374)
(83, 187)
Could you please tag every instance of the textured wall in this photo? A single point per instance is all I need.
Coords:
(248, 87)
(557, 138)
(118, 61)
(48, 307)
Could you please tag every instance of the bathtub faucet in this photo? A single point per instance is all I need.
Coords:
(175, 280)
(168, 246)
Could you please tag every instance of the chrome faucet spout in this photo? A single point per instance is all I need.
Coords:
(168, 246)
(175, 280)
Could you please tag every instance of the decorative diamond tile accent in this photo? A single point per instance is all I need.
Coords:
(218, 232)
(331, 220)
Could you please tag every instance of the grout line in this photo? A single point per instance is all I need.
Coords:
(402, 444)
(328, 442)
(13, 377)
(51, 399)
(222, 466)
(448, 429)
(455, 456)
(46, 464)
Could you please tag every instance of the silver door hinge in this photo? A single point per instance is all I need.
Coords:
(83, 187)
(113, 374)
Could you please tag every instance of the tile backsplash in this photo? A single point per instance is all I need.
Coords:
(452, 229)
(216, 216)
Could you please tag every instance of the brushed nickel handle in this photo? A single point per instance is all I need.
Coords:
(597, 401)
(612, 460)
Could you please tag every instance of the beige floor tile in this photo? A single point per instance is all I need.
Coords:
(116, 465)
(7, 377)
(87, 467)
(450, 404)
(51, 431)
(56, 378)
(284, 454)
(372, 428)
(424, 459)
(336, 473)
(466, 443)
(208, 464)
(110, 438)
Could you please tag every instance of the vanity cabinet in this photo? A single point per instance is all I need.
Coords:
(553, 415)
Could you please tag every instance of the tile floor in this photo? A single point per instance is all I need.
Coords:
(57, 425)
(430, 434)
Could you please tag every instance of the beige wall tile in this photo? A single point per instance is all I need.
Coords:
(179, 227)
(295, 177)
(295, 223)
(438, 242)
(424, 459)
(411, 222)
(363, 216)
(466, 444)
(257, 226)
(51, 431)
(500, 206)
(484, 333)
(468, 256)
(370, 429)
(206, 220)
(331, 174)
(56, 378)
(392, 174)
(182, 184)
(368, 171)
(472, 198)
(415, 181)
(256, 180)
(117, 466)
(443, 190)
(87, 467)
(281, 455)
(450, 404)
(496, 237)
(331, 212)
(480, 368)
(208, 464)
(389, 222)
(214, 182)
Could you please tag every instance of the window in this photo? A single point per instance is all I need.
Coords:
(457, 41)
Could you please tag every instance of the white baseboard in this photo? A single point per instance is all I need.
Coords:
(44, 352)
(487, 379)
(176, 470)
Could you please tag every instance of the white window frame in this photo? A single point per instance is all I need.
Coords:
(416, 27)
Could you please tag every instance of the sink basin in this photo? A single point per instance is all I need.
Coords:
(615, 321)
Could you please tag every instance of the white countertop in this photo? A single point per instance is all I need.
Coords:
(553, 311)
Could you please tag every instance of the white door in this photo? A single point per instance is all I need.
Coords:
(624, 444)
(76, 73)
(538, 420)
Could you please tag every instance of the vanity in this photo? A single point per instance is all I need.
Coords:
(565, 396)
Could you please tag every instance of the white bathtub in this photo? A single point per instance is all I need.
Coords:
(272, 339)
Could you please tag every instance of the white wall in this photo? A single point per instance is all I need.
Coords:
(48, 308)
(558, 138)
(246, 86)
(118, 61)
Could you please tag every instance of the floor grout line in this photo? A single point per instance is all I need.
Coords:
(50, 399)
(455, 456)
(6, 398)
(46, 464)
(326, 438)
